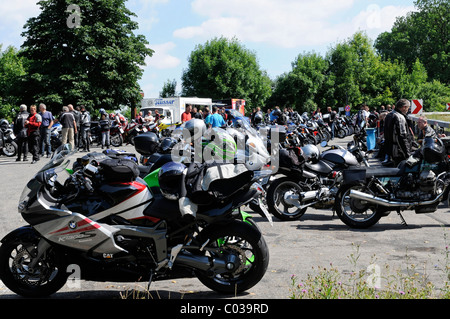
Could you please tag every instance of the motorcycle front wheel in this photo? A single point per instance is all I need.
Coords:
(356, 213)
(116, 140)
(242, 242)
(10, 149)
(278, 194)
(45, 278)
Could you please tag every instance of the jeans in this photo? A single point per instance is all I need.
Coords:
(46, 147)
(105, 138)
(84, 137)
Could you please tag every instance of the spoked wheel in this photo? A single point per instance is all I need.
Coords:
(246, 252)
(282, 196)
(45, 278)
(356, 213)
(10, 149)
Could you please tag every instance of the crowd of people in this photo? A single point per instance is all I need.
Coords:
(33, 129)
(396, 138)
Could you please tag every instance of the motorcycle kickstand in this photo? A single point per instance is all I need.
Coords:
(150, 281)
(402, 219)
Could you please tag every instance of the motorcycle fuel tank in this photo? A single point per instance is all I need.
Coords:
(339, 156)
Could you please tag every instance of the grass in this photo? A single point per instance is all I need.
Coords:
(410, 283)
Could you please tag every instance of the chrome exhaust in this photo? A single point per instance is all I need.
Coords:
(384, 202)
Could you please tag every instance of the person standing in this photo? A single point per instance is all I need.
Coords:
(76, 115)
(21, 132)
(45, 129)
(85, 127)
(186, 116)
(105, 126)
(32, 124)
(397, 133)
(215, 119)
(69, 127)
(331, 120)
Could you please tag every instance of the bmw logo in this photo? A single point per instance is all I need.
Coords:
(72, 224)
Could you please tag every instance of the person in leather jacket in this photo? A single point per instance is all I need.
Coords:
(397, 133)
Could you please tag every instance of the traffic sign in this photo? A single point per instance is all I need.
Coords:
(416, 106)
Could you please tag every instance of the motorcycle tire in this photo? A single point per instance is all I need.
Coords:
(244, 241)
(116, 140)
(275, 198)
(353, 212)
(10, 149)
(341, 133)
(46, 278)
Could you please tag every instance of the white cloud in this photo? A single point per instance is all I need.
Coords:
(287, 23)
(161, 59)
(13, 16)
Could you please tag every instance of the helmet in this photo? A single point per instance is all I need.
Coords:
(433, 152)
(196, 127)
(167, 144)
(170, 179)
(146, 143)
(310, 152)
(4, 124)
(220, 144)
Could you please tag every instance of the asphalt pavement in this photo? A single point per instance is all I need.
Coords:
(297, 248)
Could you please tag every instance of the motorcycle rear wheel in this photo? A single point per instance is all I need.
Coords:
(248, 245)
(46, 278)
(354, 212)
(276, 203)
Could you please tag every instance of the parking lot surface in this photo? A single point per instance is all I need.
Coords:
(319, 238)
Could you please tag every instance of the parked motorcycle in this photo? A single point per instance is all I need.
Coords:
(55, 136)
(419, 183)
(310, 178)
(8, 146)
(105, 220)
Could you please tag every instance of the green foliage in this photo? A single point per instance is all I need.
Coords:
(169, 89)
(423, 35)
(97, 63)
(222, 69)
(298, 88)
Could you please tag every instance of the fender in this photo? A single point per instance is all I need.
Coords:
(25, 232)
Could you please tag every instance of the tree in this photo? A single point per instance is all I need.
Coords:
(300, 87)
(222, 69)
(96, 62)
(169, 89)
(423, 35)
(12, 70)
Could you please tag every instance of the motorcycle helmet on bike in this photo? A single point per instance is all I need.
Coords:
(196, 127)
(170, 179)
(310, 152)
(433, 150)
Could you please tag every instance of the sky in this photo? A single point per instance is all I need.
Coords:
(277, 31)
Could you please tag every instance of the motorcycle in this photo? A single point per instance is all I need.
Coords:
(55, 136)
(8, 146)
(310, 178)
(105, 220)
(419, 183)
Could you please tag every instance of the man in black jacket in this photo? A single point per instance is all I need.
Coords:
(397, 133)
(21, 132)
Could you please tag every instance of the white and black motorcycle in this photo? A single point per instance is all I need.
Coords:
(103, 218)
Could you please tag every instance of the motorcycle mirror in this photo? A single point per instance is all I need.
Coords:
(323, 143)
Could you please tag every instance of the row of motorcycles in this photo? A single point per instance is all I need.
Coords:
(174, 212)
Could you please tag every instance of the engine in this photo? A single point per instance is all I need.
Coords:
(417, 186)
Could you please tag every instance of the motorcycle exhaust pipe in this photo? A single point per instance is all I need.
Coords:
(202, 263)
(384, 202)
